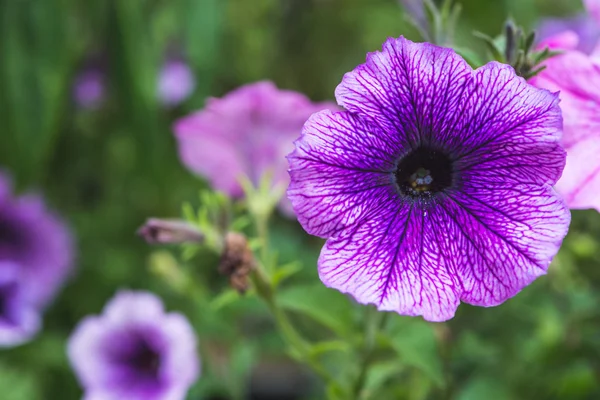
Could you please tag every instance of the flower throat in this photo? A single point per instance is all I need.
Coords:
(424, 172)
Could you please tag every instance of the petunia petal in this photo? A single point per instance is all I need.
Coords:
(393, 261)
(566, 40)
(411, 90)
(498, 240)
(580, 182)
(577, 77)
(593, 8)
(578, 80)
(512, 128)
(334, 181)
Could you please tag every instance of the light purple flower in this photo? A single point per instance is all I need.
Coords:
(577, 77)
(135, 351)
(246, 133)
(19, 318)
(89, 88)
(586, 29)
(176, 82)
(435, 186)
(36, 240)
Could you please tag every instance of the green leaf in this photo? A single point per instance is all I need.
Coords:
(491, 45)
(415, 342)
(470, 56)
(224, 299)
(485, 388)
(285, 272)
(18, 385)
(326, 306)
(379, 375)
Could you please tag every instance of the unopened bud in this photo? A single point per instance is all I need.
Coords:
(237, 261)
(157, 231)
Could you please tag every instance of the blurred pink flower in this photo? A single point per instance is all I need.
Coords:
(576, 76)
(593, 8)
(246, 133)
(176, 82)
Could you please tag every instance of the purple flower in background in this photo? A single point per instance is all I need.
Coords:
(580, 32)
(35, 259)
(37, 241)
(135, 351)
(577, 77)
(585, 28)
(246, 133)
(89, 88)
(176, 82)
(435, 186)
(19, 318)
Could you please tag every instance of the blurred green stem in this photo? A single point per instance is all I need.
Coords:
(299, 347)
(374, 322)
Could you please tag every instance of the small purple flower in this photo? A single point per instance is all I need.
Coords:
(19, 318)
(89, 88)
(37, 241)
(585, 28)
(246, 133)
(435, 186)
(176, 82)
(135, 351)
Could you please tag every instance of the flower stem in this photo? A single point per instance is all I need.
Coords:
(375, 321)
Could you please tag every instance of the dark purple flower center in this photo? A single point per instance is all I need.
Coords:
(141, 359)
(424, 172)
(13, 239)
(134, 356)
(9, 303)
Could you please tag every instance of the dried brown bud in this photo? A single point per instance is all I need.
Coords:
(237, 261)
(156, 231)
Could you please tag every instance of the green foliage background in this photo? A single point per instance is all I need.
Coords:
(107, 170)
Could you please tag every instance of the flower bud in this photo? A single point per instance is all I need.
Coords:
(156, 231)
(237, 261)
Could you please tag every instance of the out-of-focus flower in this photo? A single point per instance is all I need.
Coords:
(35, 259)
(156, 231)
(593, 8)
(248, 132)
(176, 82)
(585, 29)
(576, 76)
(435, 186)
(89, 88)
(36, 240)
(135, 351)
(19, 318)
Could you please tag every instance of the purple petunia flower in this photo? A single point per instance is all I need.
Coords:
(35, 259)
(19, 318)
(435, 186)
(36, 240)
(584, 28)
(246, 133)
(135, 351)
(176, 82)
(577, 77)
(89, 88)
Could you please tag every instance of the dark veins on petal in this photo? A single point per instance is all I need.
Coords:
(13, 239)
(423, 172)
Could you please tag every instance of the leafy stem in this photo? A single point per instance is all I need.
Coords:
(375, 321)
